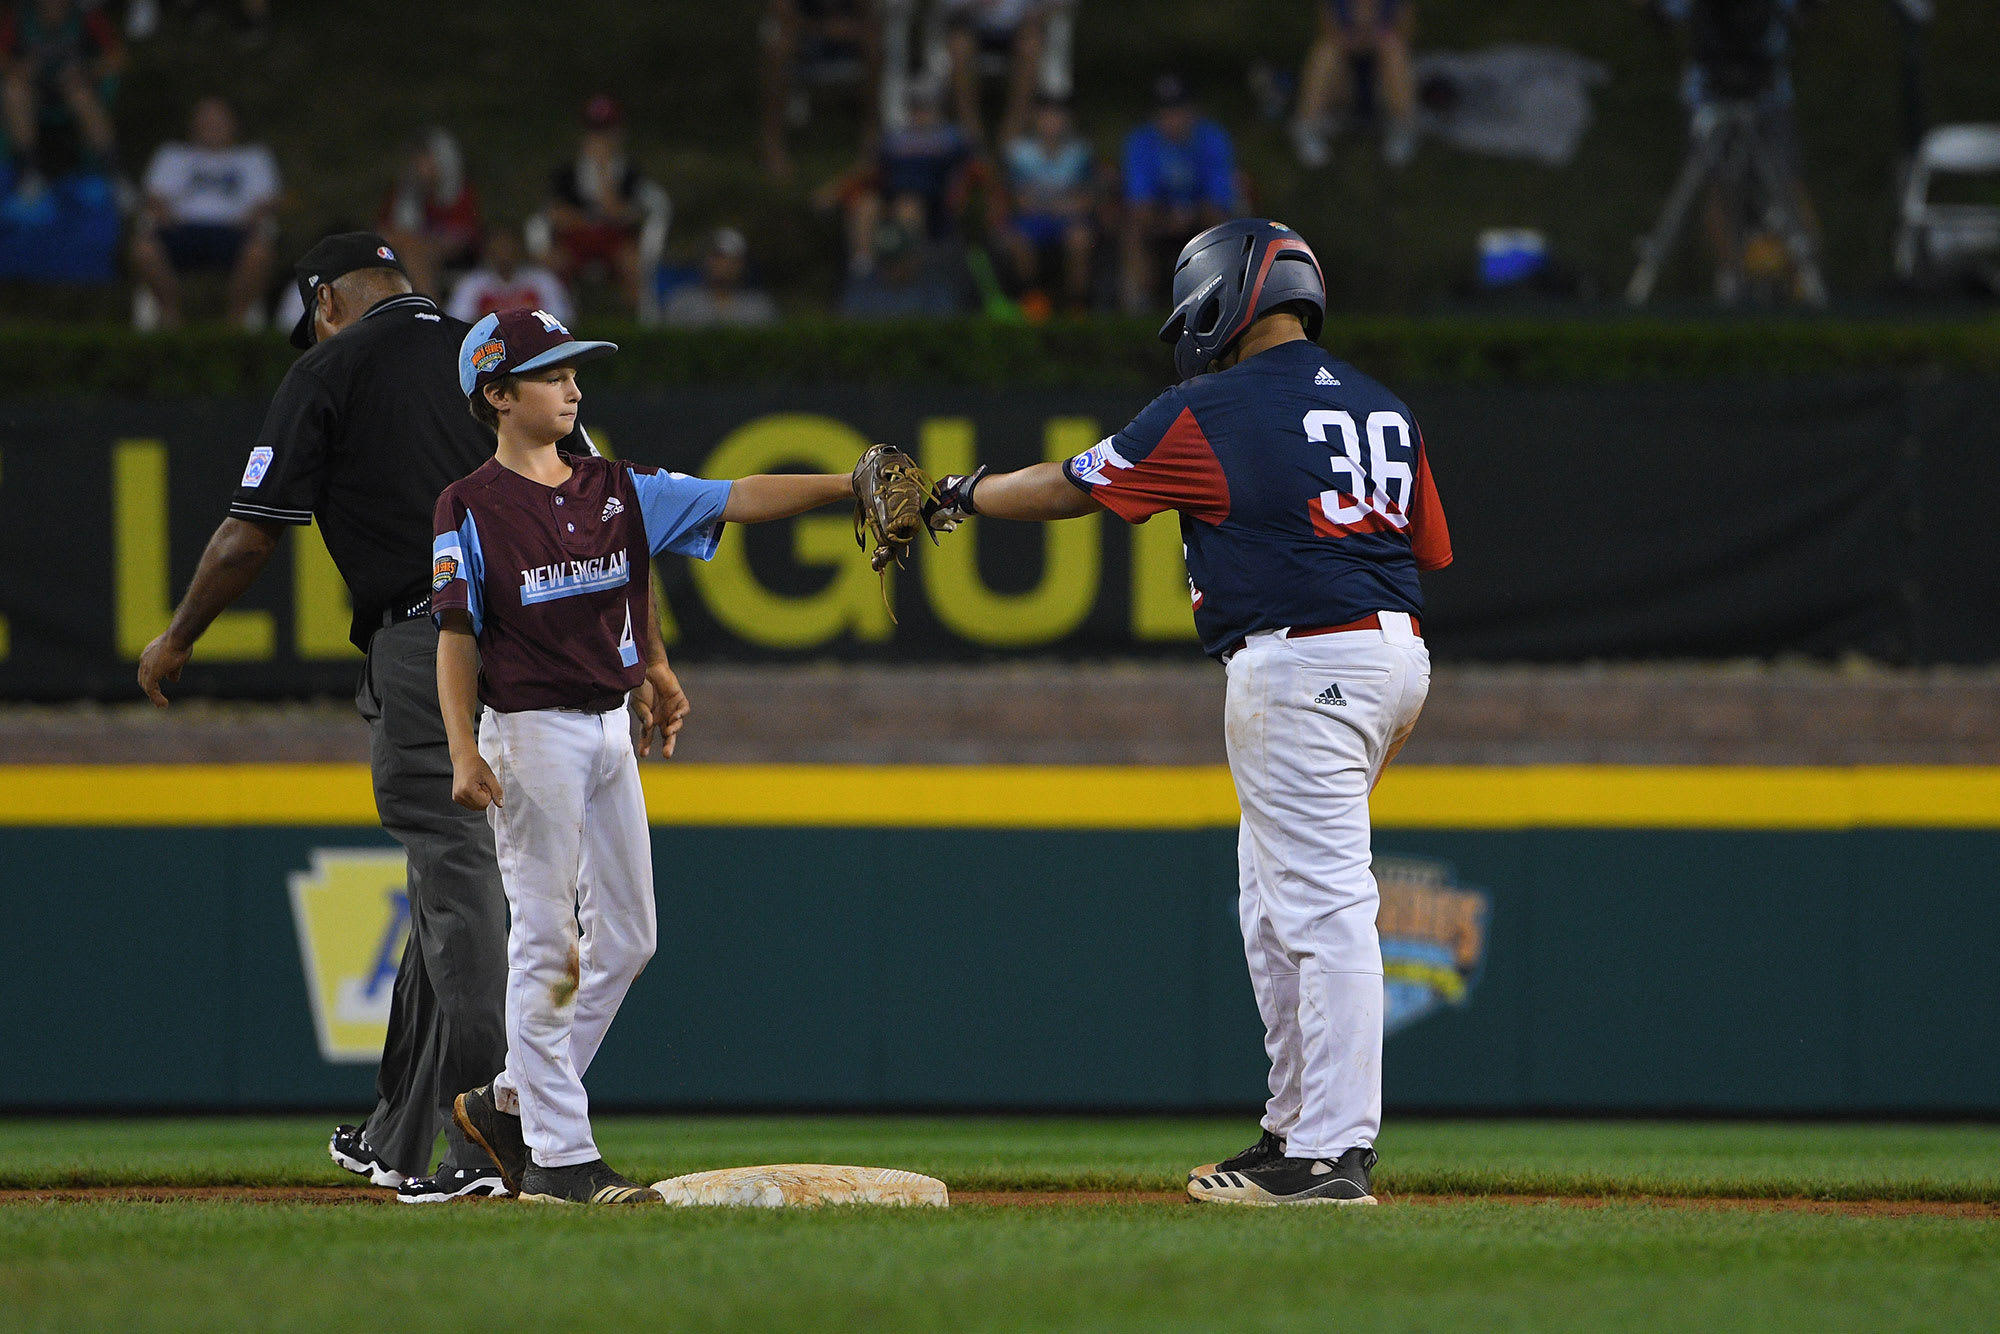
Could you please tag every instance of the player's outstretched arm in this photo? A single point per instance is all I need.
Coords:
(768, 496)
(1037, 494)
(235, 556)
(473, 784)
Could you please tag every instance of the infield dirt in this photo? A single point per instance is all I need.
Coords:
(1035, 1199)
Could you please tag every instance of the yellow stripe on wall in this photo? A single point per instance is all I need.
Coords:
(1059, 797)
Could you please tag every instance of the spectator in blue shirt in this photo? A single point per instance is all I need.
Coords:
(1180, 178)
(1050, 189)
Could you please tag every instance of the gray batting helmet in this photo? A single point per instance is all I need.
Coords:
(1227, 277)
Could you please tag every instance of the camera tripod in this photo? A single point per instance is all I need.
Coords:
(1732, 152)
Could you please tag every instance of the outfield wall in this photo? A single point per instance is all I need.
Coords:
(1601, 938)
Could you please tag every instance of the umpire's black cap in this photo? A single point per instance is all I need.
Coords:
(335, 255)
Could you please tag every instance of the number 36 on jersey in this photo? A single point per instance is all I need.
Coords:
(1373, 466)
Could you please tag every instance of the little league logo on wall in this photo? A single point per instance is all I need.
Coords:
(1433, 938)
(352, 911)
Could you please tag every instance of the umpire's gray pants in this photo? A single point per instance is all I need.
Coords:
(447, 1018)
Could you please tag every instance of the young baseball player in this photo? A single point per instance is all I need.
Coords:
(1306, 509)
(540, 590)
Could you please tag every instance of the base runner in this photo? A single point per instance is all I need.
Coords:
(538, 583)
(1306, 509)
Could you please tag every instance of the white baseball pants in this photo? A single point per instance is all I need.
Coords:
(577, 862)
(1310, 723)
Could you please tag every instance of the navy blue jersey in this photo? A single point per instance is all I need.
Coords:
(1304, 493)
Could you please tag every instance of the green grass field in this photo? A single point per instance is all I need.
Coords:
(1621, 1263)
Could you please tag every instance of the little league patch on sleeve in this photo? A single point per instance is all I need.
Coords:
(1089, 466)
(443, 571)
(259, 464)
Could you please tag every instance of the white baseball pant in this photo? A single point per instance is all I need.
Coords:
(1310, 723)
(576, 859)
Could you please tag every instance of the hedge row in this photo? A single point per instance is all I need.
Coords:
(1101, 353)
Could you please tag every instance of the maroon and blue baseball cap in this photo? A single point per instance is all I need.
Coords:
(520, 340)
(334, 257)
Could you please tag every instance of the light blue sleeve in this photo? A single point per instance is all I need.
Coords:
(683, 514)
(458, 574)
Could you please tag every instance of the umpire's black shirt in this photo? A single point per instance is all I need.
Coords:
(367, 428)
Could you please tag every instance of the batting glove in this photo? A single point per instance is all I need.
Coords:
(953, 505)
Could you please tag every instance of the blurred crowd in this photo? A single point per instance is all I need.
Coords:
(974, 187)
(203, 209)
(947, 208)
(951, 208)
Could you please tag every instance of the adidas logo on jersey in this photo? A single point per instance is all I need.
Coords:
(1325, 377)
(611, 507)
(1331, 695)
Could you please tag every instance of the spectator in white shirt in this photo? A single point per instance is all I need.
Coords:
(210, 207)
(720, 297)
(503, 282)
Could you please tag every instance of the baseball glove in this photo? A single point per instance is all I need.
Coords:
(890, 492)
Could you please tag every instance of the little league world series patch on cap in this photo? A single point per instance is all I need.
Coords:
(520, 340)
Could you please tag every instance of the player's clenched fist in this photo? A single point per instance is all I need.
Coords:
(473, 785)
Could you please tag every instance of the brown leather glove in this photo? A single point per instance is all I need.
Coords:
(890, 492)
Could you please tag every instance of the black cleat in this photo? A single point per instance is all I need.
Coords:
(482, 1121)
(353, 1152)
(1342, 1180)
(1267, 1150)
(452, 1183)
(586, 1183)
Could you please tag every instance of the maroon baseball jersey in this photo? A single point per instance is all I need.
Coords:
(555, 578)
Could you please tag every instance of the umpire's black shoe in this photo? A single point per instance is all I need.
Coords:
(1342, 1180)
(586, 1183)
(497, 1132)
(353, 1152)
(1267, 1150)
(452, 1183)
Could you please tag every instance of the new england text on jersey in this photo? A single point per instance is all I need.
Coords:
(566, 579)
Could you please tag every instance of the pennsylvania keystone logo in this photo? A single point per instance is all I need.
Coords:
(1433, 938)
(352, 911)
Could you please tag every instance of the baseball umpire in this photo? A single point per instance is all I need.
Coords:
(1306, 510)
(366, 430)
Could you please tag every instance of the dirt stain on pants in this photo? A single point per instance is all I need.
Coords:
(563, 990)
